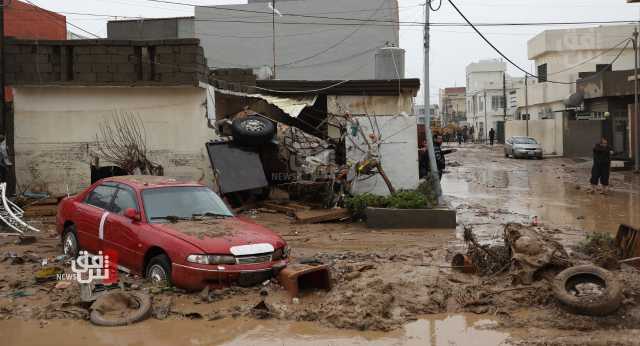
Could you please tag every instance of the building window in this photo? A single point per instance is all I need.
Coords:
(481, 104)
(497, 102)
(542, 73)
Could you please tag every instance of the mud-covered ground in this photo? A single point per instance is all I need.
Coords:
(384, 281)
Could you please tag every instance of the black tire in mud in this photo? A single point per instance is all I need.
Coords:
(599, 305)
(252, 130)
(105, 303)
(70, 244)
(158, 270)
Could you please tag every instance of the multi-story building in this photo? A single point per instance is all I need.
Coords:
(486, 87)
(307, 47)
(453, 105)
(561, 55)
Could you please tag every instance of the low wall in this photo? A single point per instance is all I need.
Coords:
(56, 131)
(549, 132)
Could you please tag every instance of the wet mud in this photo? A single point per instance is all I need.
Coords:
(391, 287)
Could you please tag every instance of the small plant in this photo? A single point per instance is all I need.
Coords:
(408, 199)
(357, 204)
(598, 245)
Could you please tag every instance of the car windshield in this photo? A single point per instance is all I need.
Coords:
(182, 203)
(524, 140)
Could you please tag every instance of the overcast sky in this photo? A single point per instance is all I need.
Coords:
(451, 48)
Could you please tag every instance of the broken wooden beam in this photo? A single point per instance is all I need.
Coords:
(321, 215)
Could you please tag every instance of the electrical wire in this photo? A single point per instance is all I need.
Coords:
(336, 44)
(431, 6)
(42, 10)
(518, 66)
(392, 22)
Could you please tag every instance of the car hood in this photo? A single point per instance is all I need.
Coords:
(537, 146)
(217, 236)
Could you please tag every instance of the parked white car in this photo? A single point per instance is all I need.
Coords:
(522, 147)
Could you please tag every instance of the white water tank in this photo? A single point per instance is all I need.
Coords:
(389, 63)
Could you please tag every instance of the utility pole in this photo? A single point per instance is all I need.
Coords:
(504, 96)
(636, 151)
(486, 125)
(7, 120)
(433, 167)
(273, 12)
(526, 100)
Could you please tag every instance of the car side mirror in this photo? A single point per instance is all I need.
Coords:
(132, 214)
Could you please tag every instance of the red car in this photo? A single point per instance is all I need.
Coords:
(170, 232)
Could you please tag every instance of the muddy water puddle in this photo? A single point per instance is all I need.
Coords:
(533, 192)
(434, 330)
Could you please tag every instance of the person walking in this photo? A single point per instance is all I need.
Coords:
(601, 166)
(492, 135)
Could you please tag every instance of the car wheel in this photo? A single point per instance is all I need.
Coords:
(70, 246)
(159, 270)
(252, 130)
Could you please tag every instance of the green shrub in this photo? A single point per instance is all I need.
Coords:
(408, 199)
(357, 204)
(403, 199)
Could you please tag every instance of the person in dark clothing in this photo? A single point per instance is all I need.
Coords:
(601, 166)
(460, 137)
(423, 157)
(492, 135)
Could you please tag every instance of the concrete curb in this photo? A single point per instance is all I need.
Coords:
(410, 218)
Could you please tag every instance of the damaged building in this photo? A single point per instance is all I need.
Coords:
(74, 100)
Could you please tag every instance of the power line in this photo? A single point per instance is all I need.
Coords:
(333, 45)
(512, 62)
(42, 10)
(394, 22)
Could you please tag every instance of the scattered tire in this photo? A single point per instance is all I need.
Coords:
(252, 130)
(601, 294)
(159, 270)
(120, 308)
(70, 245)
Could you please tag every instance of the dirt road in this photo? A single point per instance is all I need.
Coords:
(391, 287)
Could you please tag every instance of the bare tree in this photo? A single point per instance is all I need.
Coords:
(123, 141)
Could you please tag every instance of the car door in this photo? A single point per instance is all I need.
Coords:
(91, 216)
(121, 233)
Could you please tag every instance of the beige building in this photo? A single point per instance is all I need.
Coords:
(561, 55)
(453, 103)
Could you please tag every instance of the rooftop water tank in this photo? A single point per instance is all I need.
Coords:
(389, 63)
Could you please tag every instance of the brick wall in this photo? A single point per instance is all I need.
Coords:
(104, 62)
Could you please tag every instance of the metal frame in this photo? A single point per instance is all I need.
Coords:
(11, 215)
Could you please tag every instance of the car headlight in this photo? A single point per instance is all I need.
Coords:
(200, 259)
(281, 253)
(221, 259)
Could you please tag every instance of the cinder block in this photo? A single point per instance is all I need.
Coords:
(104, 77)
(126, 68)
(100, 68)
(98, 50)
(82, 67)
(164, 49)
(78, 50)
(86, 77)
(120, 58)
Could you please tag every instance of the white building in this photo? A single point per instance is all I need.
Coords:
(487, 83)
(560, 55)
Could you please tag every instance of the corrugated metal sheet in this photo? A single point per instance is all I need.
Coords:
(292, 106)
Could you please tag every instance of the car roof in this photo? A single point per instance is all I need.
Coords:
(150, 181)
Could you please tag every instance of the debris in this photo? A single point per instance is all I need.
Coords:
(530, 252)
(120, 308)
(193, 315)
(283, 208)
(296, 277)
(61, 285)
(48, 274)
(25, 240)
(588, 290)
(463, 263)
(627, 243)
(161, 307)
(322, 215)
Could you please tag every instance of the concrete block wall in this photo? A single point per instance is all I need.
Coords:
(99, 62)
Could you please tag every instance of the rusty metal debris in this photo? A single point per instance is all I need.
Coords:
(297, 277)
(628, 244)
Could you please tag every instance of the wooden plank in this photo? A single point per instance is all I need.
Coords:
(321, 215)
(279, 207)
